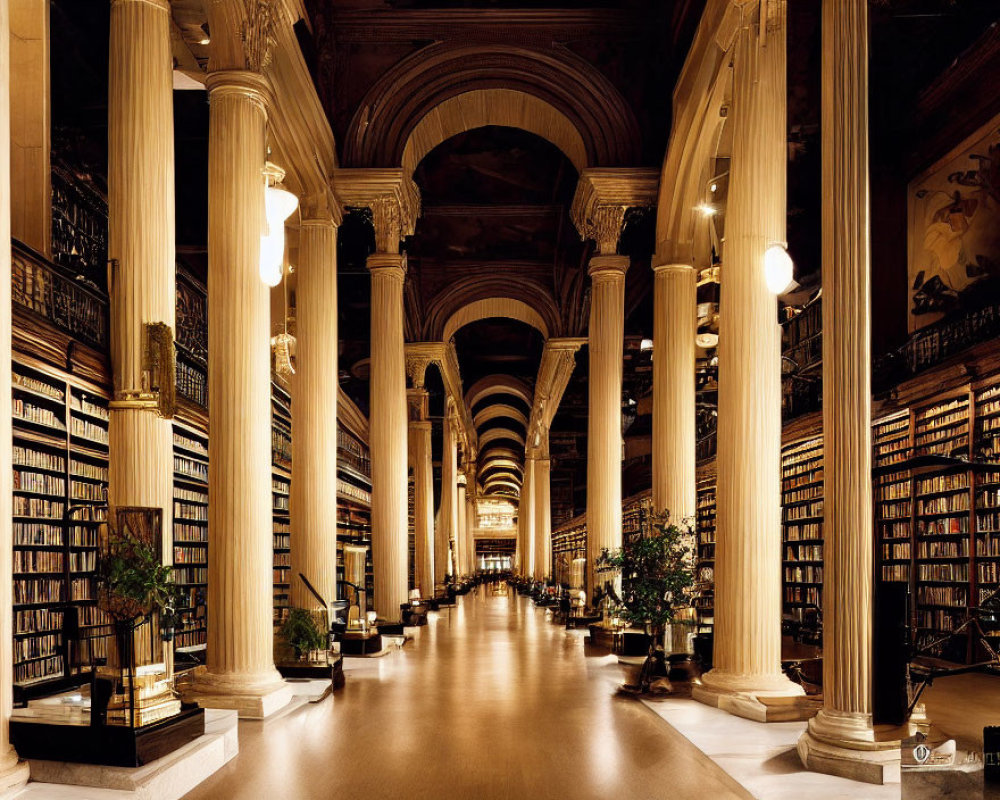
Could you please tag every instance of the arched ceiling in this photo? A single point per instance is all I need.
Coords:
(495, 111)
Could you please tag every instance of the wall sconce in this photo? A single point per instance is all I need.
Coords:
(778, 269)
(279, 203)
(706, 210)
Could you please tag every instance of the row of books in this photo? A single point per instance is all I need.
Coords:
(190, 555)
(84, 469)
(39, 415)
(32, 384)
(38, 507)
(39, 459)
(190, 495)
(85, 429)
(947, 573)
(38, 482)
(38, 561)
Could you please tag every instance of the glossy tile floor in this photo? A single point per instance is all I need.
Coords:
(490, 701)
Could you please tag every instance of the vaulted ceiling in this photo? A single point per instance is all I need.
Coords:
(496, 110)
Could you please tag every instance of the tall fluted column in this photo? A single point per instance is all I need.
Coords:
(423, 504)
(840, 739)
(674, 327)
(470, 521)
(604, 423)
(141, 250)
(543, 518)
(31, 124)
(448, 516)
(458, 540)
(13, 772)
(314, 466)
(388, 436)
(748, 550)
(528, 508)
(241, 671)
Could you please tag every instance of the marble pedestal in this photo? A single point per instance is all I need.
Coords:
(870, 762)
(167, 778)
(256, 705)
(759, 707)
(12, 780)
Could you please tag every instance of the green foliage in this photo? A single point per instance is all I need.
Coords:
(131, 580)
(301, 632)
(655, 569)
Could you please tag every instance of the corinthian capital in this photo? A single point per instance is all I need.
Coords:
(603, 196)
(390, 195)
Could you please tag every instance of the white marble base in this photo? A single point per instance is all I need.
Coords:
(759, 708)
(12, 781)
(868, 765)
(761, 758)
(249, 706)
(167, 778)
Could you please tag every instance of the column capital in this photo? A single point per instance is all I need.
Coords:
(391, 196)
(390, 265)
(608, 267)
(669, 267)
(252, 85)
(416, 400)
(321, 210)
(603, 195)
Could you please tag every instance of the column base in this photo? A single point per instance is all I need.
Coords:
(761, 698)
(14, 774)
(253, 697)
(844, 745)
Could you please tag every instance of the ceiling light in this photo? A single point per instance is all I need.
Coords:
(279, 204)
(778, 269)
(706, 210)
(707, 340)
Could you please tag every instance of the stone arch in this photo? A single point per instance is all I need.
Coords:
(553, 93)
(509, 108)
(498, 384)
(500, 410)
(495, 434)
(493, 307)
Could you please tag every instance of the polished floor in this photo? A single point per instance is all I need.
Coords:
(490, 701)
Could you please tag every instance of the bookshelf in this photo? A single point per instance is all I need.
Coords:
(802, 356)
(281, 482)
(636, 512)
(60, 478)
(354, 498)
(986, 550)
(191, 533)
(802, 526)
(892, 497)
(569, 542)
(704, 585)
(942, 522)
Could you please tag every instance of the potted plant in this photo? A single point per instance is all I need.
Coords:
(133, 587)
(302, 633)
(656, 574)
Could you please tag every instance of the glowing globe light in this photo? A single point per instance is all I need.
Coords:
(278, 206)
(778, 269)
